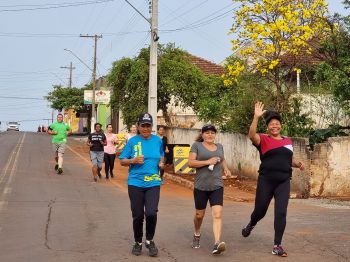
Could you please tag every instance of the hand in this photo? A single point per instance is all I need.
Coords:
(213, 160)
(139, 160)
(89, 144)
(259, 109)
(161, 165)
(301, 166)
(227, 172)
(167, 150)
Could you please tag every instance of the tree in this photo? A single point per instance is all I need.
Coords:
(178, 79)
(66, 98)
(266, 30)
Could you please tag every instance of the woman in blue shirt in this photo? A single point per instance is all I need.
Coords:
(144, 155)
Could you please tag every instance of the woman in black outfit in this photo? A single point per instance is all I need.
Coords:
(276, 155)
(161, 134)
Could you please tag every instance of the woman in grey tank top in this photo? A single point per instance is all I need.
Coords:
(208, 159)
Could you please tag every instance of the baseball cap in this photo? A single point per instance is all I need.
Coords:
(145, 118)
(269, 115)
(208, 127)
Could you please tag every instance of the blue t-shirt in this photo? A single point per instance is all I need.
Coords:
(147, 174)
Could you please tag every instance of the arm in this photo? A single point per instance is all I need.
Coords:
(298, 164)
(258, 112)
(192, 162)
(132, 161)
(69, 131)
(50, 131)
(227, 171)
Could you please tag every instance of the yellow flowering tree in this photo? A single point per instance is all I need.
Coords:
(267, 30)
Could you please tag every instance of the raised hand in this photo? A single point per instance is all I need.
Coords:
(259, 109)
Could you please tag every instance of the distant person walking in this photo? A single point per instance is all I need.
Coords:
(144, 155)
(161, 134)
(96, 141)
(132, 132)
(109, 151)
(209, 160)
(275, 172)
(59, 131)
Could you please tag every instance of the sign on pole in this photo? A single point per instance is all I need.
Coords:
(101, 97)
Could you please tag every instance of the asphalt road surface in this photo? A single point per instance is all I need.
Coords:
(47, 217)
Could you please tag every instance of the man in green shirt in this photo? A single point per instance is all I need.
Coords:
(59, 131)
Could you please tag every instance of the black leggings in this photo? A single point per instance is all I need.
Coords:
(266, 189)
(144, 202)
(109, 163)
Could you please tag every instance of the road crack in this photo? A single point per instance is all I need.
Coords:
(48, 221)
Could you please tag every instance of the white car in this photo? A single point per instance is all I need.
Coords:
(13, 126)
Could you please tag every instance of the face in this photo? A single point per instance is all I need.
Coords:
(145, 130)
(133, 129)
(161, 131)
(274, 127)
(109, 128)
(98, 128)
(59, 118)
(209, 136)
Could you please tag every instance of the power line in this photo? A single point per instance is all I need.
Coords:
(51, 6)
(20, 97)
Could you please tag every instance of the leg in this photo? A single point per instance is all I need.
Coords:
(106, 160)
(264, 194)
(216, 200)
(94, 168)
(201, 200)
(111, 163)
(60, 152)
(216, 212)
(100, 155)
(151, 209)
(281, 196)
(137, 203)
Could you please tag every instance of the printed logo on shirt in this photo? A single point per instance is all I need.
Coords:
(138, 149)
(290, 147)
(154, 177)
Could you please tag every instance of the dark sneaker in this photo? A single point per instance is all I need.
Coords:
(152, 249)
(219, 248)
(59, 171)
(247, 230)
(137, 249)
(56, 167)
(195, 242)
(112, 175)
(278, 251)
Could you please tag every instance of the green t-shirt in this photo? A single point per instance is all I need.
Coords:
(61, 130)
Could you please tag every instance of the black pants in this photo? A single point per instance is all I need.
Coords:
(266, 189)
(144, 203)
(109, 163)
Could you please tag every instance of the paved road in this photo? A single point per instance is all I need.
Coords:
(46, 217)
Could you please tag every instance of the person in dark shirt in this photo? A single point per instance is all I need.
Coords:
(161, 134)
(276, 155)
(96, 141)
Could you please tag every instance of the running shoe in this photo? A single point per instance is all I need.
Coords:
(112, 175)
(152, 249)
(278, 251)
(59, 171)
(196, 241)
(56, 167)
(247, 230)
(219, 248)
(137, 249)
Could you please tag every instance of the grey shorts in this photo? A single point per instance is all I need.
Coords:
(97, 158)
(59, 147)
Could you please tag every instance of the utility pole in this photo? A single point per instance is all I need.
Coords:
(152, 88)
(93, 117)
(70, 72)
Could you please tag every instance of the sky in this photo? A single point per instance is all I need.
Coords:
(34, 34)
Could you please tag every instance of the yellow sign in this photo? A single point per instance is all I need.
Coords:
(181, 155)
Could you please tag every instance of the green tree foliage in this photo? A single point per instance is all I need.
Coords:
(177, 78)
(66, 98)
